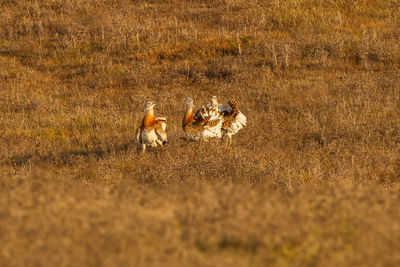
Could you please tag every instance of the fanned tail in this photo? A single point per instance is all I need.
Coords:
(241, 118)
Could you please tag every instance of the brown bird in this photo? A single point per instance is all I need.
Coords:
(152, 131)
(203, 125)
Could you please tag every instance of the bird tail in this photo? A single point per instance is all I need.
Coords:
(241, 118)
(234, 105)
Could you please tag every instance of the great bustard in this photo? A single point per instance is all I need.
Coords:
(233, 119)
(152, 131)
(203, 125)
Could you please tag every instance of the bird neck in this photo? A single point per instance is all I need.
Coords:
(188, 116)
(149, 120)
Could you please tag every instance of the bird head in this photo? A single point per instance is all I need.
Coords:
(149, 106)
(188, 101)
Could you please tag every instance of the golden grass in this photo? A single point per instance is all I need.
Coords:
(312, 180)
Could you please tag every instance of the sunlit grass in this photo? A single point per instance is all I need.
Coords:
(312, 180)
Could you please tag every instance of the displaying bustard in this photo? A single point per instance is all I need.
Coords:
(152, 131)
(202, 125)
(233, 119)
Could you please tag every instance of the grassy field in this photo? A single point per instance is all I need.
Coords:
(313, 180)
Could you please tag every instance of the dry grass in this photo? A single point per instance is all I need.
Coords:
(313, 180)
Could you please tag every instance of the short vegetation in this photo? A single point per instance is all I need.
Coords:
(312, 180)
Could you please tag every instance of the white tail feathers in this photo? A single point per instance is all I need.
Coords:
(236, 125)
(241, 118)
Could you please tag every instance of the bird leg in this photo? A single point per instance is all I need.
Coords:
(143, 147)
(229, 140)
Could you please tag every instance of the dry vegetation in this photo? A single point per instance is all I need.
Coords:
(313, 180)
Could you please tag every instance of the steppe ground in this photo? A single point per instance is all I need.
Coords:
(313, 180)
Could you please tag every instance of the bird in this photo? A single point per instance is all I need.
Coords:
(233, 119)
(202, 125)
(152, 131)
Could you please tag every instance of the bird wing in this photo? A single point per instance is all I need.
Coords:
(201, 113)
(161, 135)
(228, 121)
(212, 123)
(161, 123)
(201, 122)
(197, 126)
(229, 117)
(160, 128)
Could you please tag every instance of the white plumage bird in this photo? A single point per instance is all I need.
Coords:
(203, 125)
(233, 119)
(152, 131)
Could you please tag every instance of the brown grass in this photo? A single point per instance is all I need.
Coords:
(312, 180)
